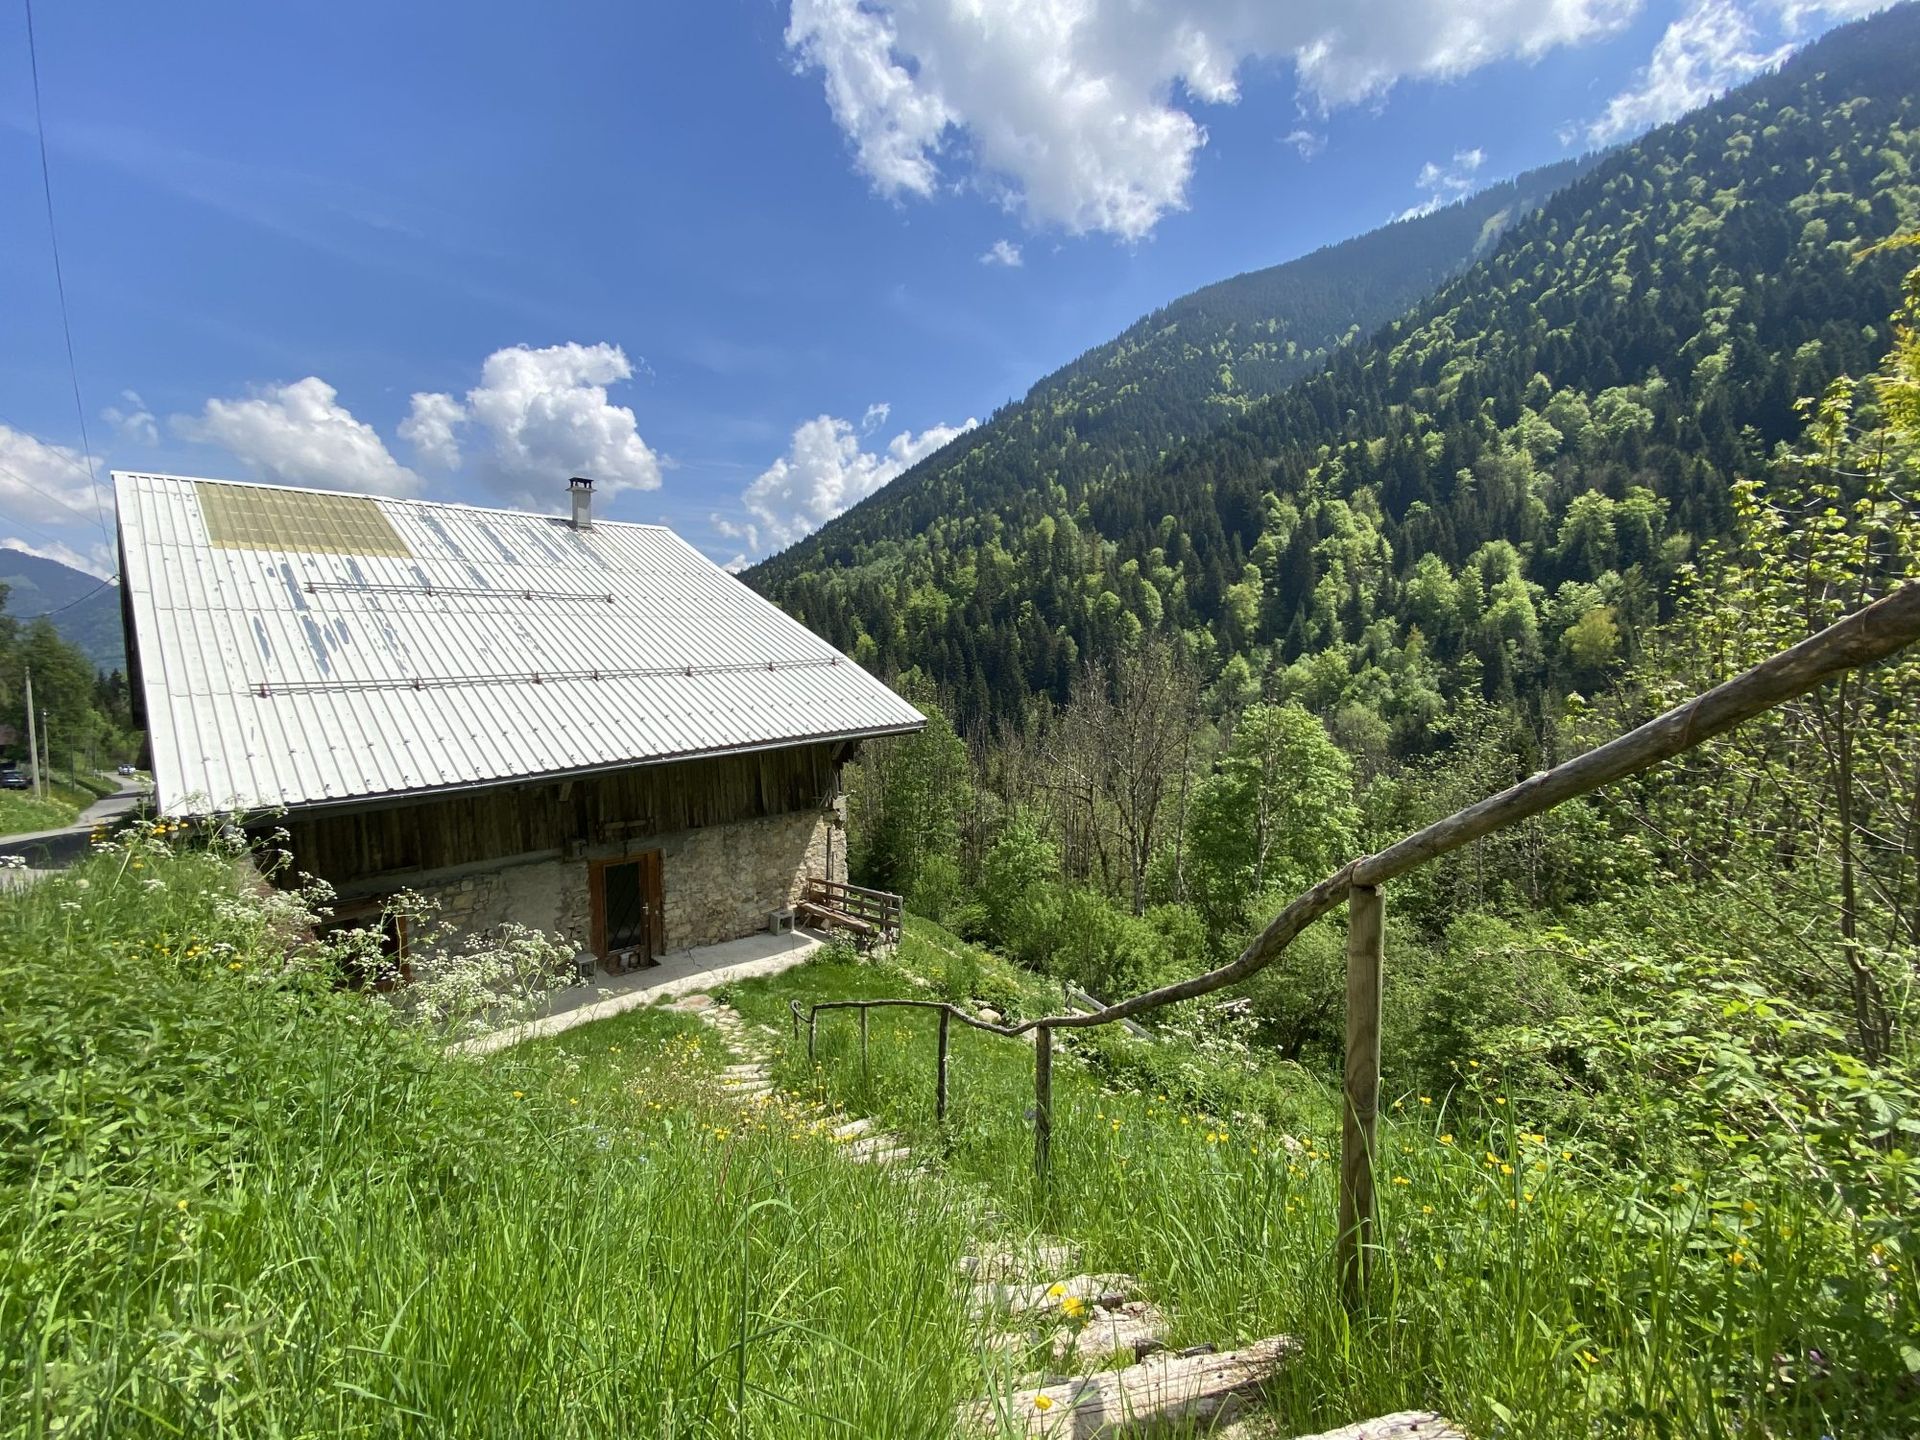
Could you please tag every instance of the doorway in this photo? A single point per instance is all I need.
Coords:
(629, 922)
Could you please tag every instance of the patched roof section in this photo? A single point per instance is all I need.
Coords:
(301, 647)
(257, 517)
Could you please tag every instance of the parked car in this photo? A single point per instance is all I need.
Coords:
(15, 780)
(126, 769)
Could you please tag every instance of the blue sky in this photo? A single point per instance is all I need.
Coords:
(742, 260)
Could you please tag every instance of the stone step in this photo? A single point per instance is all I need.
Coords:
(1406, 1425)
(1132, 1330)
(853, 1128)
(751, 1071)
(1024, 1297)
(748, 1092)
(1017, 1264)
(1161, 1391)
(890, 1156)
(862, 1146)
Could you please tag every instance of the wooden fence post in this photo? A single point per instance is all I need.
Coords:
(940, 1082)
(866, 1077)
(1042, 1103)
(1362, 1091)
(813, 1025)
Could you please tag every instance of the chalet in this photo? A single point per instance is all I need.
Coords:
(580, 725)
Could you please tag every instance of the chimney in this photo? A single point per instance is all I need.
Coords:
(581, 489)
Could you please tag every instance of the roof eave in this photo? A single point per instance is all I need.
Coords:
(426, 793)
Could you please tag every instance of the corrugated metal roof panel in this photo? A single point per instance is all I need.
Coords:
(489, 646)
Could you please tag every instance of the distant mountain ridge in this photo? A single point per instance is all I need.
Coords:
(81, 609)
(1180, 372)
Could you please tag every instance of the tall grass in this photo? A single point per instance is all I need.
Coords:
(1525, 1285)
(237, 1202)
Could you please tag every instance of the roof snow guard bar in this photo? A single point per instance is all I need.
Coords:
(267, 689)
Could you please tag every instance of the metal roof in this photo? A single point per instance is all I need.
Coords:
(301, 647)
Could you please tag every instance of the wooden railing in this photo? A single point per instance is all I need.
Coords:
(872, 916)
(1869, 635)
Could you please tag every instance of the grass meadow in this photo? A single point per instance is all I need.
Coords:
(1526, 1284)
(235, 1201)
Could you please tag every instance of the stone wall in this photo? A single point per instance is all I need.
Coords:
(718, 883)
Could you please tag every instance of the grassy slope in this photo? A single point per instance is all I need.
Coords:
(235, 1203)
(22, 814)
(1527, 1287)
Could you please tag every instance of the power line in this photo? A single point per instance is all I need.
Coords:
(59, 276)
(49, 614)
(49, 495)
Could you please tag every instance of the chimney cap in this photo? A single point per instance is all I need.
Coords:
(580, 482)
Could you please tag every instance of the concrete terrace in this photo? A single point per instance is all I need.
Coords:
(681, 972)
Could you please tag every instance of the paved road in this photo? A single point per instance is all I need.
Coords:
(52, 848)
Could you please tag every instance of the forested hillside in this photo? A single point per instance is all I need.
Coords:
(1491, 495)
(1174, 375)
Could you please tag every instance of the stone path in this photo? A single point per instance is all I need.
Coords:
(1090, 1350)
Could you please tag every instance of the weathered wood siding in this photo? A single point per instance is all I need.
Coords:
(547, 816)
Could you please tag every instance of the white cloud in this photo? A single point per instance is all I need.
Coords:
(1076, 113)
(876, 416)
(429, 429)
(544, 415)
(1446, 183)
(1310, 143)
(823, 472)
(46, 484)
(1003, 252)
(300, 434)
(132, 419)
(95, 560)
(1708, 50)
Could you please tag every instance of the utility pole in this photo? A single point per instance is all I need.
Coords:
(33, 741)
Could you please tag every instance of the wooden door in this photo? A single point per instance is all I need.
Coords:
(627, 909)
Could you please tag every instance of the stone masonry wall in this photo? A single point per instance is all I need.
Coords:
(718, 883)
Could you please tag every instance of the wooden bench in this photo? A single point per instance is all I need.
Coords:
(872, 917)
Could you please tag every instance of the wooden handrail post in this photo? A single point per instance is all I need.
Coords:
(1042, 1103)
(940, 1080)
(866, 1076)
(813, 1026)
(1361, 1108)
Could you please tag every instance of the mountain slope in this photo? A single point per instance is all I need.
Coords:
(1178, 373)
(1498, 486)
(85, 613)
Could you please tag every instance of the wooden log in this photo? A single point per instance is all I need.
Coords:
(1884, 627)
(1361, 1110)
(1164, 1391)
(1042, 1104)
(940, 1076)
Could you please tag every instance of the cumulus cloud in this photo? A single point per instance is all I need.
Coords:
(1714, 46)
(823, 472)
(1077, 113)
(132, 419)
(1446, 183)
(300, 434)
(875, 417)
(538, 417)
(1708, 50)
(429, 428)
(1003, 252)
(45, 484)
(1308, 142)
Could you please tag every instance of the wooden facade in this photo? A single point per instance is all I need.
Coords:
(412, 835)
